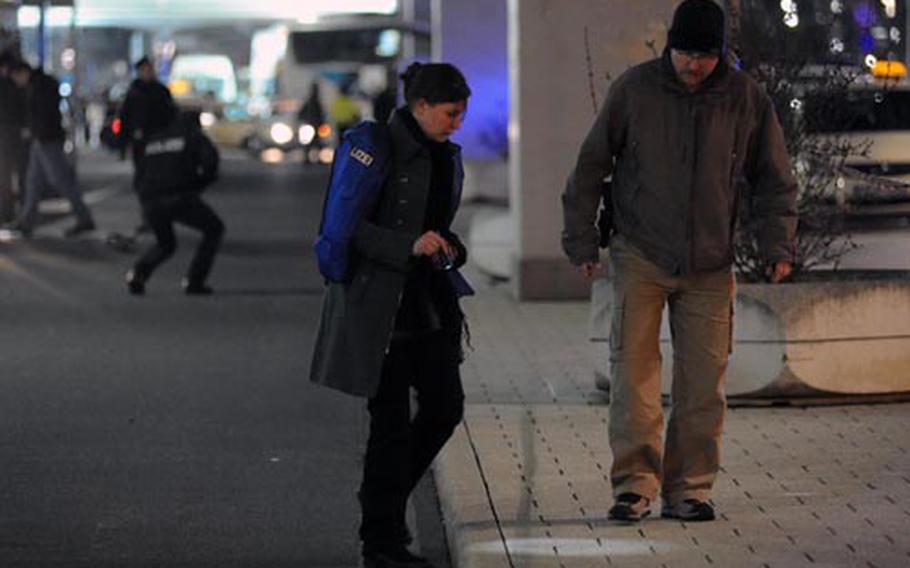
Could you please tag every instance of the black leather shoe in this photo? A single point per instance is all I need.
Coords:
(135, 283)
(630, 508)
(79, 228)
(394, 558)
(691, 510)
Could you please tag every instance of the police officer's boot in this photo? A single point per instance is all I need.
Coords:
(135, 283)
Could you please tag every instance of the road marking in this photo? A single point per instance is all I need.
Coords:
(61, 205)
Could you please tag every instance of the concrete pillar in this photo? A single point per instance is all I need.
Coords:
(552, 110)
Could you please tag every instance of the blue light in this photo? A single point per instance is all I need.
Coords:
(864, 15)
(485, 131)
(867, 42)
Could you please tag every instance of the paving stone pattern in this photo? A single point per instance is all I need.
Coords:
(525, 482)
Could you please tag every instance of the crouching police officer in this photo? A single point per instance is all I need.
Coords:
(180, 161)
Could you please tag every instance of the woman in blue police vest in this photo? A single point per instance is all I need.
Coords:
(396, 324)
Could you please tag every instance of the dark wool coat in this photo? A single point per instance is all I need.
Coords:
(358, 317)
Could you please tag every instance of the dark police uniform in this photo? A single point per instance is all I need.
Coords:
(147, 109)
(180, 161)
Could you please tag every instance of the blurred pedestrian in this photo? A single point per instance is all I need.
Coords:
(676, 134)
(311, 112)
(94, 118)
(384, 103)
(345, 112)
(147, 109)
(397, 323)
(12, 114)
(48, 164)
(180, 163)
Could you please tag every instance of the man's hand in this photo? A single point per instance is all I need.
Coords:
(589, 269)
(780, 271)
(431, 243)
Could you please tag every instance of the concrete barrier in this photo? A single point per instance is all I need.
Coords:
(840, 333)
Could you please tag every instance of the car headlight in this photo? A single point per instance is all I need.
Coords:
(206, 119)
(281, 133)
(306, 133)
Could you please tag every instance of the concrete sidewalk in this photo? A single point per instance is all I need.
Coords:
(525, 480)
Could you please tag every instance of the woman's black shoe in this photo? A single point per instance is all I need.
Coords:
(192, 289)
(394, 558)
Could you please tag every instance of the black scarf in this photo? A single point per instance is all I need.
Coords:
(428, 302)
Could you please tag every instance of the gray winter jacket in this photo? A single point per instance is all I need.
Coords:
(358, 317)
(675, 157)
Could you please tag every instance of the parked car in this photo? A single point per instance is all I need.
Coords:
(280, 132)
(229, 125)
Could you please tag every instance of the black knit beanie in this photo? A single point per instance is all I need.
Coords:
(698, 25)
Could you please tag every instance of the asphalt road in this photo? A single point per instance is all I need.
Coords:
(171, 431)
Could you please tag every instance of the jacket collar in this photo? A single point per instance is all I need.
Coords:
(407, 137)
(717, 82)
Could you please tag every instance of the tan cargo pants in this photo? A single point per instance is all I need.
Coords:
(701, 323)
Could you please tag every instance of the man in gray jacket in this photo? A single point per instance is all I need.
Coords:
(675, 134)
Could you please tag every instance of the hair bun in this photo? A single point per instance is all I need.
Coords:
(410, 72)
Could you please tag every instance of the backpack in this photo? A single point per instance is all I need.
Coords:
(206, 161)
(178, 159)
(358, 173)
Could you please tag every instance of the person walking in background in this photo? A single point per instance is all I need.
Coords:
(384, 103)
(676, 134)
(345, 112)
(311, 111)
(181, 162)
(12, 114)
(147, 109)
(312, 114)
(397, 324)
(47, 164)
(94, 118)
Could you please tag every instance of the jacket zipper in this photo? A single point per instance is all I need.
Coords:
(689, 262)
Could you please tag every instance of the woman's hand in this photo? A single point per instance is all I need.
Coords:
(431, 243)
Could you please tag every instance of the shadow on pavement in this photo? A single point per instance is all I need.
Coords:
(263, 292)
